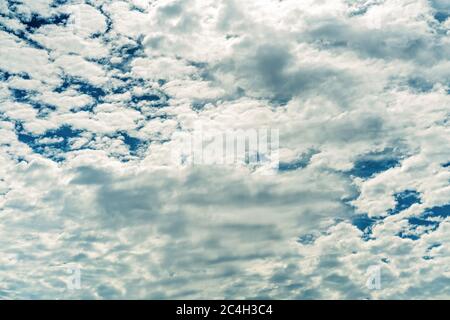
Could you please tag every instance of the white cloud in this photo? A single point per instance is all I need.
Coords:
(92, 108)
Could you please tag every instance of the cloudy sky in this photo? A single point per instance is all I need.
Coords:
(93, 98)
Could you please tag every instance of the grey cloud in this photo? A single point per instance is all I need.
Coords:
(271, 71)
(91, 176)
(140, 228)
(397, 43)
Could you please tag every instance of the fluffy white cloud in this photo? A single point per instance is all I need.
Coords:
(94, 99)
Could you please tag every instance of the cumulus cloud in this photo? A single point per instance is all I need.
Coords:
(94, 100)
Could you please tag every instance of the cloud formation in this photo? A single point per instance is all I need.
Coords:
(93, 98)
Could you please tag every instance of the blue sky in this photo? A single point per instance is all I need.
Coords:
(94, 96)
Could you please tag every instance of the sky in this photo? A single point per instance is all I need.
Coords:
(96, 96)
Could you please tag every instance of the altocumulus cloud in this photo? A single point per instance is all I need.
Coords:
(94, 95)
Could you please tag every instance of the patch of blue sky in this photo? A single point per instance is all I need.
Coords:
(26, 97)
(53, 144)
(408, 235)
(129, 82)
(135, 145)
(368, 167)
(404, 200)
(415, 233)
(109, 22)
(83, 87)
(362, 8)
(4, 75)
(22, 35)
(57, 3)
(416, 221)
(290, 166)
(365, 224)
(150, 97)
(434, 245)
(127, 53)
(152, 116)
(86, 88)
(439, 211)
(154, 99)
(299, 163)
(20, 95)
(359, 12)
(429, 255)
(427, 222)
(34, 21)
(441, 16)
